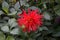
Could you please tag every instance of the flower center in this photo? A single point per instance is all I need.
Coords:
(30, 20)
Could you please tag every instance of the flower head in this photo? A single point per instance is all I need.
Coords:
(30, 21)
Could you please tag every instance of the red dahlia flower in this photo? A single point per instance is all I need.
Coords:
(30, 20)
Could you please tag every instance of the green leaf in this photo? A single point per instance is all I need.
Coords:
(5, 9)
(43, 28)
(13, 13)
(1, 12)
(2, 36)
(56, 35)
(58, 12)
(2, 22)
(47, 23)
(15, 31)
(58, 1)
(12, 23)
(47, 16)
(57, 9)
(5, 28)
(37, 35)
(27, 5)
(10, 38)
(40, 38)
(22, 2)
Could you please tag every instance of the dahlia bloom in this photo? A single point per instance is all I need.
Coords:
(30, 21)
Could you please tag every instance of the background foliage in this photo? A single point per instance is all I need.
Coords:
(50, 30)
